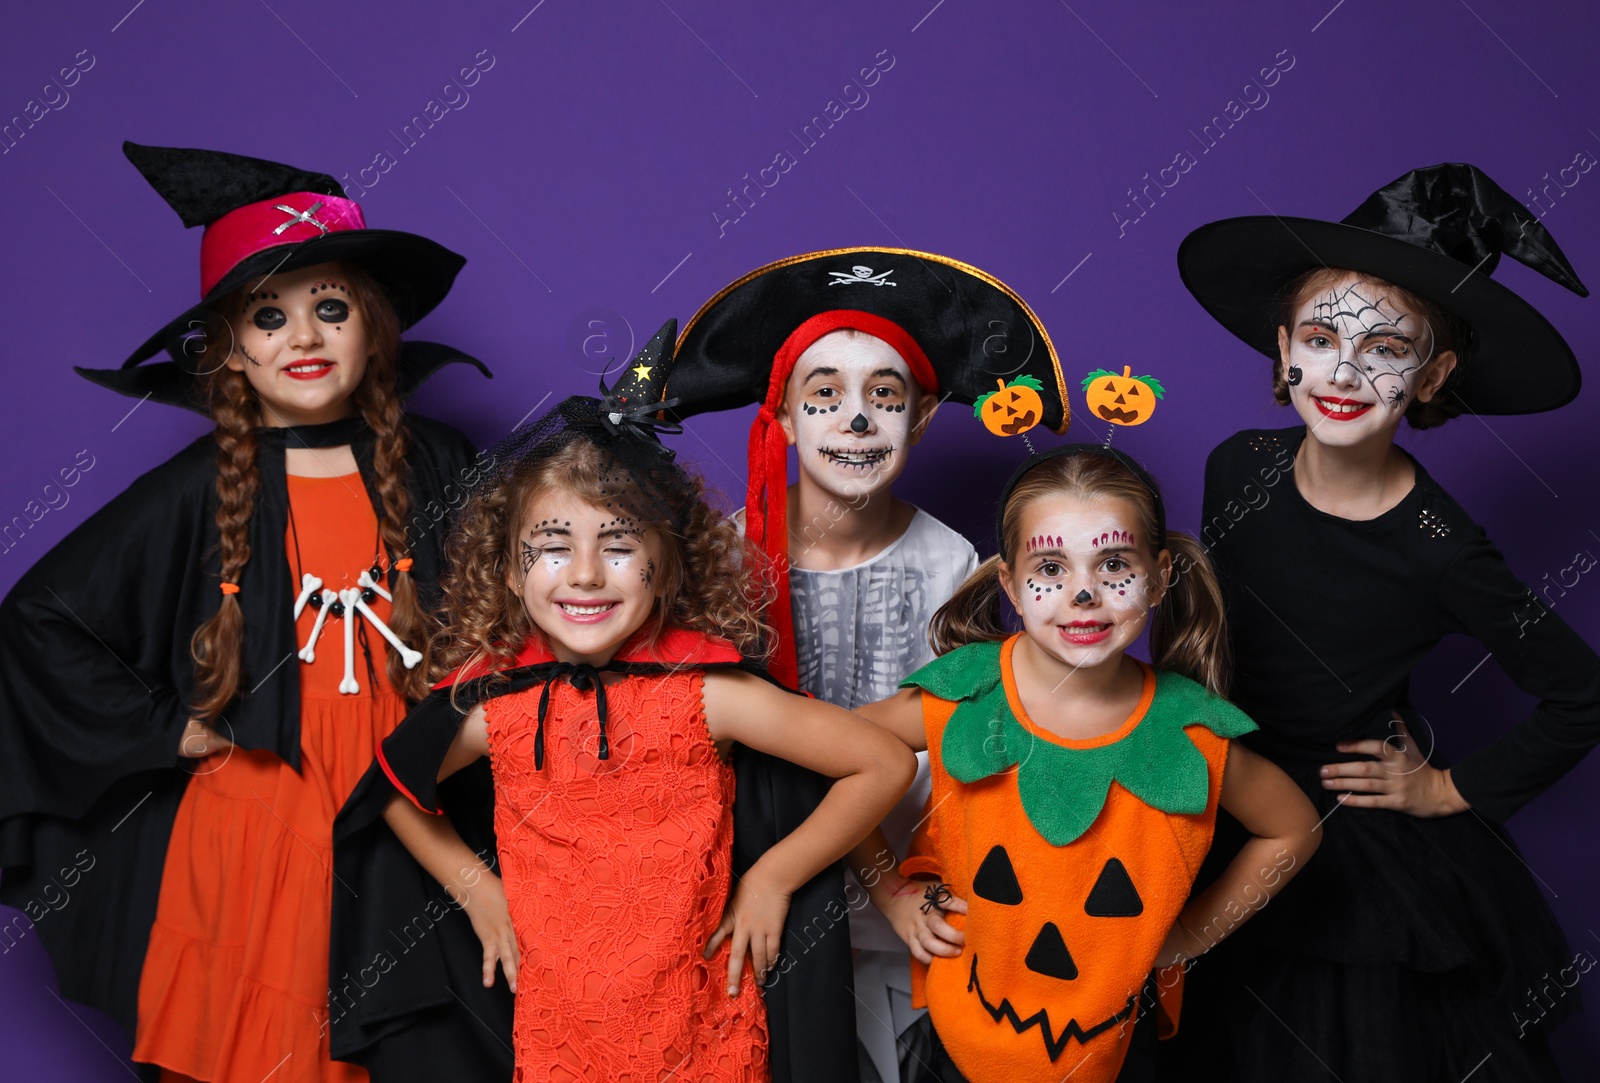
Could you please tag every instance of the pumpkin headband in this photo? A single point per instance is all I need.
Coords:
(766, 501)
(1067, 451)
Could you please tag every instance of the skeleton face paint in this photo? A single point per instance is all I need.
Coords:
(845, 411)
(1082, 584)
(1354, 358)
(586, 577)
(302, 346)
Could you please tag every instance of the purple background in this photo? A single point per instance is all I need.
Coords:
(581, 179)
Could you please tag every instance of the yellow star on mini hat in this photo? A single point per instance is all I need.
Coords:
(641, 370)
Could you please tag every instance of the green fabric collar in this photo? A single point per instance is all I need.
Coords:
(1064, 789)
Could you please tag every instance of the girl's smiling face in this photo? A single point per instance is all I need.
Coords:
(302, 345)
(586, 574)
(1355, 357)
(1082, 578)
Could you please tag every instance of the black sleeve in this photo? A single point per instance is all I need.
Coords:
(406, 999)
(1545, 657)
(94, 648)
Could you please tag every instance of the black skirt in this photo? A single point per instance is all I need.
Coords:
(1407, 950)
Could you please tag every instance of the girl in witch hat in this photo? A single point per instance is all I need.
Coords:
(603, 630)
(1410, 949)
(195, 678)
(848, 352)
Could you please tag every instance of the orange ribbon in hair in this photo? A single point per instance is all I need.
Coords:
(403, 564)
(766, 502)
(230, 588)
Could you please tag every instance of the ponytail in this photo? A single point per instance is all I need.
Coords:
(973, 613)
(1188, 631)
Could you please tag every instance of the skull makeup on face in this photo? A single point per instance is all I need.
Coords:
(846, 412)
(1356, 356)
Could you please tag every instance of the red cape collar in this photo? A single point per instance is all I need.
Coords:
(676, 647)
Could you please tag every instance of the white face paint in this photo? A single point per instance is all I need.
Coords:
(586, 576)
(1082, 579)
(850, 410)
(1354, 359)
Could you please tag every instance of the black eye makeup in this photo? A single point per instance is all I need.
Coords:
(333, 310)
(268, 318)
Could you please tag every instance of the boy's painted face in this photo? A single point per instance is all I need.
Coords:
(1355, 358)
(851, 409)
(586, 574)
(1082, 578)
(302, 345)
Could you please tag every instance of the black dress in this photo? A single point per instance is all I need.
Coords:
(1408, 949)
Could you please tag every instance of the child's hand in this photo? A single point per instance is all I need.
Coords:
(919, 920)
(491, 920)
(1398, 778)
(200, 740)
(754, 917)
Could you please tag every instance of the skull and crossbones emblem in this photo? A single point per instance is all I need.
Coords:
(861, 275)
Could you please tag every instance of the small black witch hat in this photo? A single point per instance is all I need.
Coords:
(1437, 232)
(263, 218)
(625, 423)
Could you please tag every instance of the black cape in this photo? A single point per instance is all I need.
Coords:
(407, 1000)
(96, 676)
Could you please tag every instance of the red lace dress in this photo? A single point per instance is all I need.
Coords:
(235, 981)
(617, 872)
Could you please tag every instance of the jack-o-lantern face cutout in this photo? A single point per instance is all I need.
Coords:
(1122, 400)
(1013, 408)
(1049, 954)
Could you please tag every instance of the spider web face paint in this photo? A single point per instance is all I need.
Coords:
(1355, 358)
(1378, 339)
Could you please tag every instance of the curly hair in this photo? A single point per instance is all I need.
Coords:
(1450, 332)
(706, 581)
(218, 644)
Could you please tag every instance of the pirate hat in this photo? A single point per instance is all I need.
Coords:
(263, 218)
(960, 330)
(1437, 232)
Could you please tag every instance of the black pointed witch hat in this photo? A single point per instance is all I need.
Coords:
(263, 218)
(1438, 232)
(625, 423)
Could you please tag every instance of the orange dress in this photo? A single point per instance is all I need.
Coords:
(235, 981)
(617, 872)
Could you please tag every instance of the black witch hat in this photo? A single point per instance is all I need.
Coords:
(1438, 232)
(624, 422)
(263, 218)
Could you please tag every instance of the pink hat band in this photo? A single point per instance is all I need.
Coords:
(286, 219)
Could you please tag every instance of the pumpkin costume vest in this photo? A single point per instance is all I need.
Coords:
(1074, 858)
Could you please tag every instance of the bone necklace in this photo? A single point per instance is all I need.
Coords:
(344, 605)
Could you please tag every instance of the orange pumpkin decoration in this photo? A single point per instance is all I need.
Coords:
(1122, 400)
(1012, 409)
(1074, 859)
